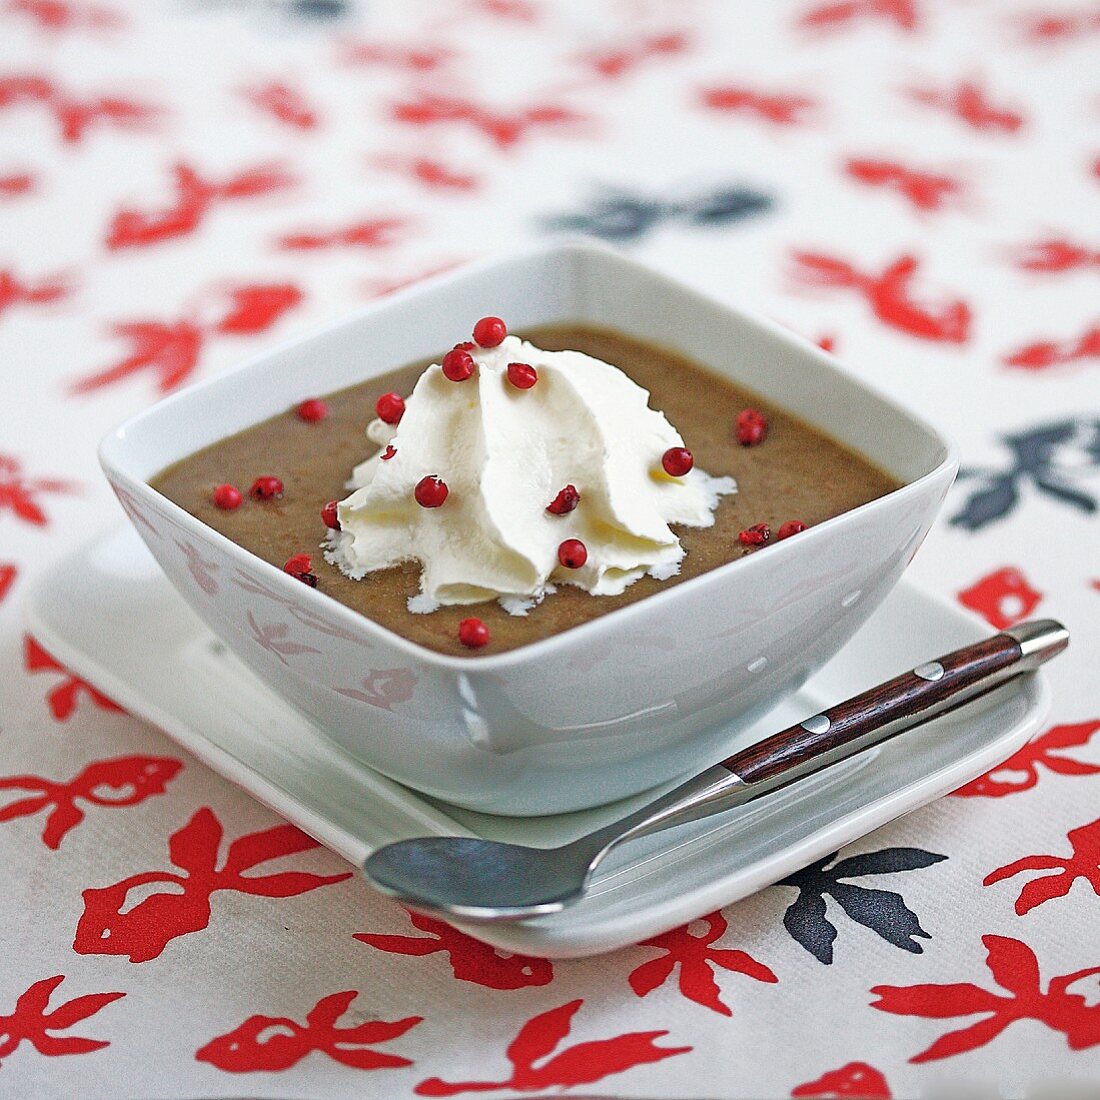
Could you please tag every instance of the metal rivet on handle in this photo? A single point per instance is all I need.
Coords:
(819, 723)
(932, 671)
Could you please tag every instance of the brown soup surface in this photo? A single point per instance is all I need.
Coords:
(796, 473)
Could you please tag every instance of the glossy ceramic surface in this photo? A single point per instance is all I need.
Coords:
(609, 708)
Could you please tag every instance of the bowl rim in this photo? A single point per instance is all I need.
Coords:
(475, 662)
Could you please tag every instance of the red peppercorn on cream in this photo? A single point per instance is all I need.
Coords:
(477, 460)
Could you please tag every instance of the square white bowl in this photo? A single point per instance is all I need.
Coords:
(608, 708)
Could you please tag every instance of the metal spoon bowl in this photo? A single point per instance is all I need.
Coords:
(479, 880)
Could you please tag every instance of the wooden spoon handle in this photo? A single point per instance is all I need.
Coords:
(884, 711)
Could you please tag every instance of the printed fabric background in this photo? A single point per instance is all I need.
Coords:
(914, 184)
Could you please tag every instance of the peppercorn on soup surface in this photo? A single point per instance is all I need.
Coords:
(787, 475)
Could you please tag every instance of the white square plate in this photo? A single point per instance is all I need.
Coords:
(96, 612)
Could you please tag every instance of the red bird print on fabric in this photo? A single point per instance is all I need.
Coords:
(121, 781)
(1060, 26)
(411, 59)
(273, 1043)
(970, 103)
(1054, 353)
(857, 1080)
(15, 184)
(582, 1064)
(1016, 970)
(1057, 254)
(923, 190)
(696, 959)
(839, 14)
(8, 573)
(368, 233)
(470, 959)
(15, 292)
(1084, 864)
(171, 350)
(518, 11)
(433, 174)
(1002, 598)
(19, 494)
(1020, 772)
(195, 198)
(503, 129)
(778, 108)
(111, 925)
(63, 698)
(32, 1023)
(283, 103)
(74, 115)
(615, 62)
(890, 296)
(63, 15)
(254, 309)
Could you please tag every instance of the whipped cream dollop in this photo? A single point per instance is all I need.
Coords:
(504, 454)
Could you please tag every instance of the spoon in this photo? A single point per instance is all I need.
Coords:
(487, 880)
